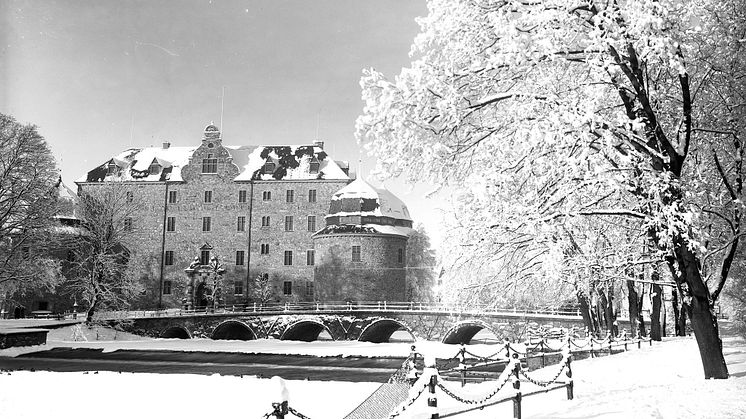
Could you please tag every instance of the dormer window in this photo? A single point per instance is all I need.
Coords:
(111, 168)
(154, 167)
(210, 164)
(313, 166)
(269, 167)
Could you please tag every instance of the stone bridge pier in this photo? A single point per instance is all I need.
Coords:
(368, 326)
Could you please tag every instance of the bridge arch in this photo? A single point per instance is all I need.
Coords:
(381, 330)
(306, 330)
(233, 330)
(463, 331)
(176, 332)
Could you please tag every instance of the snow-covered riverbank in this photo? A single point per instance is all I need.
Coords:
(660, 381)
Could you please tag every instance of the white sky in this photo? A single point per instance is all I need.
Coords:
(100, 76)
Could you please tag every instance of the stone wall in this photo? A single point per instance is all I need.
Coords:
(377, 276)
(10, 338)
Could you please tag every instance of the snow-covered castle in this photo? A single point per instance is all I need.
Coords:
(291, 213)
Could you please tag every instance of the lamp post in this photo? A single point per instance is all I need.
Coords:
(75, 309)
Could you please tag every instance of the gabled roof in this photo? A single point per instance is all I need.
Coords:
(291, 163)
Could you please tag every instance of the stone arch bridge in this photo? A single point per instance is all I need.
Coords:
(368, 323)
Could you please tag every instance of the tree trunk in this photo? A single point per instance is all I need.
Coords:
(655, 315)
(601, 310)
(632, 300)
(91, 311)
(640, 317)
(679, 315)
(610, 315)
(704, 322)
(585, 312)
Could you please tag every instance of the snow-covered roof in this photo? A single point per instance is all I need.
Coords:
(134, 164)
(351, 200)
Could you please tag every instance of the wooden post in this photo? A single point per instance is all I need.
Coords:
(591, 341)
(517, 386)
(432, 401)
(462, 353)
(570, 382)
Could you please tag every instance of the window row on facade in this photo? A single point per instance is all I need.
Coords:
(168, 258)
(242, 196)
(288, 256)
(238, 287)
(240, 223)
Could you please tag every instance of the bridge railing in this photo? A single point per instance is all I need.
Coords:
(336, 306)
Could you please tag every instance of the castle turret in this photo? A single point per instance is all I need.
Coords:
(362, 250)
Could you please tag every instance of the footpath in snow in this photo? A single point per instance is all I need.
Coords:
(662, 381)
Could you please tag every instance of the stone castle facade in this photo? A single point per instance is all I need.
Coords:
(255, 208)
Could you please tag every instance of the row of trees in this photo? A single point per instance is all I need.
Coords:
(588, 138)
(94, 269)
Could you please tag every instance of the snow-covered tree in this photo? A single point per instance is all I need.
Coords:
(421, 266)
(543, 112)
(28, 176)
(102, 265)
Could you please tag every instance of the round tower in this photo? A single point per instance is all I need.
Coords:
(361, 253)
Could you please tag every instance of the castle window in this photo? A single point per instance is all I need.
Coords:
(239, 257)
(356, 254)
(25, 252)
(130, 196)
(210, 164)
(309, 288)
(400, 256)
(171, 224)
(266, 196)
(169, 258)
(154, 167)
(288, 260)
(208, 197)
(241, 196)
(265, 221)
(111, 168)
(287, 287)
(171, 197)
(206, 223)
(128, 224)
(241, 224)
(311, 223)
(265, 248)
(313, 167)
(238, 288)
(288, 223)
(312, 195)
(290, 195)
(310, 257)
(204, 257)
(166, 287)
(269, 167)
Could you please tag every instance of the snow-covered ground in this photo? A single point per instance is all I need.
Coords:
(660, 381)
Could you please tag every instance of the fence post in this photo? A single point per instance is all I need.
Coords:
(280, 407)
(570, 382)
(517, 386)
(591, 341)
(507, 348)
(610, 338)
(462, 367)
(432, 400)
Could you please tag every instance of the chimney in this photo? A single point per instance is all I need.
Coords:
(166, 145)
(319, 143)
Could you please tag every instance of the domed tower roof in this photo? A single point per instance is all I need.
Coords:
(360, 204)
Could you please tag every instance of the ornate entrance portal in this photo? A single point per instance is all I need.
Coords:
(205, 285)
